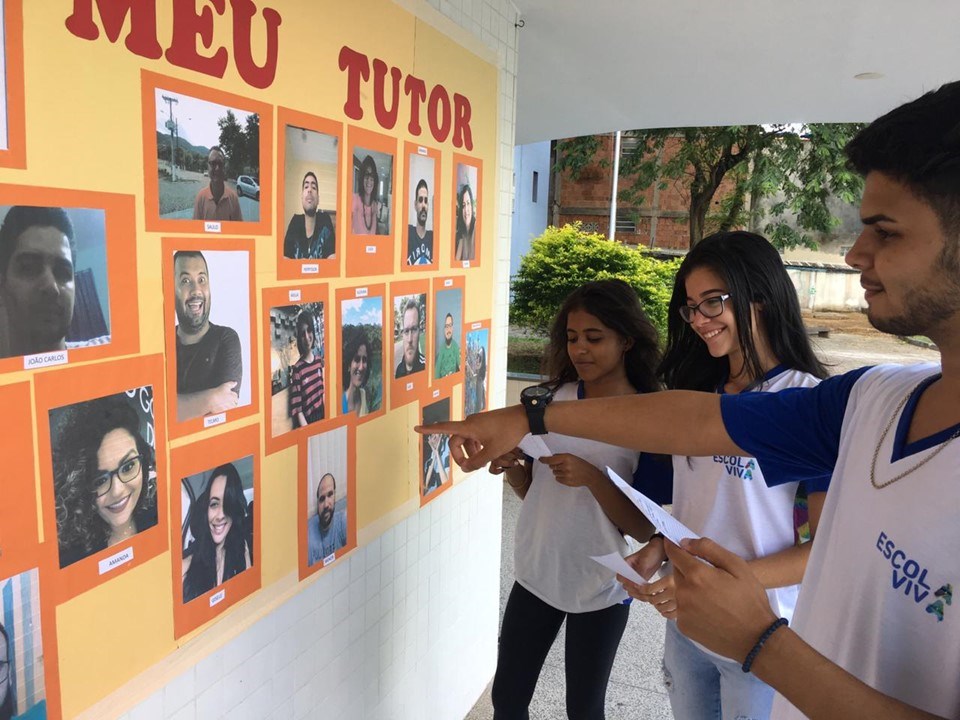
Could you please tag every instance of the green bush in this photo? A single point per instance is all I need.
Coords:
(563, 259)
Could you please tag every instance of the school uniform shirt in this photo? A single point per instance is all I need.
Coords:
(877, 597)
(560, 528)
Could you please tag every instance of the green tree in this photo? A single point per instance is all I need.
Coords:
(801, 169)
(563, 259)
(233, 142)
(251, 132)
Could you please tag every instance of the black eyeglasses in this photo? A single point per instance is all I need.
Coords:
(125, 472)
(711, 307)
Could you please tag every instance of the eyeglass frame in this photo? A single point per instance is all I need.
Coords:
(693, 309)
(98, 482)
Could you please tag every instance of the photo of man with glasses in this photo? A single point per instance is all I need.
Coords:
(104, 473)
(411, 358)
(217, 201)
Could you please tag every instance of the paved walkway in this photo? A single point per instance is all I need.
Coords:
(636, 689)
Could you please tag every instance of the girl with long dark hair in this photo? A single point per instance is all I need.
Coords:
(601, 345)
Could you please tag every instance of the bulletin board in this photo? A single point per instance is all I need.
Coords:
(195, 229)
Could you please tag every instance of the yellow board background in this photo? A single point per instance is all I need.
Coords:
(83, 131)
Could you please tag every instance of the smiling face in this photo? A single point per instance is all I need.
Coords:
(116, 506)
(326, 499)
(907, 267)
(309, 196)
(595, 350)
(358, 367)
(38, 290)
(193, 295)
(217, 518)
(369, 181)
(467, 210)
(411, 336)
(719, 333)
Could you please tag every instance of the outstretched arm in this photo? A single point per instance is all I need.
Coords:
(725, 608)
(677, 422)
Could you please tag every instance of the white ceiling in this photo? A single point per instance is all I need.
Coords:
(589, 67)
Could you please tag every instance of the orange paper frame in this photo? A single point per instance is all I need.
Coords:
(170, 246)
(477, 202)
(407, 389)
(409, 149)
(289, 268)
(149, 82)
(121, 251)
(15, 156)
(19, 529)
(376, 290)
(369, 254)
(303, 480)
(70, 386)
(280, 297)
(200, 457)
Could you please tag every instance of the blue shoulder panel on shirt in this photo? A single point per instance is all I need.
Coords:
(794, 434)
(654, 477)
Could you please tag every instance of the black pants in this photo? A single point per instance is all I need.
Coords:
(529, 628)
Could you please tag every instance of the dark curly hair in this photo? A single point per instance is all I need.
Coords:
(201, 576)
(356, 339)
(78, 433)
(369, 166)
(754, 273)
(616, 305)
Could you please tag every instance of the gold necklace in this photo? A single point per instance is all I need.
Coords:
(886, 431)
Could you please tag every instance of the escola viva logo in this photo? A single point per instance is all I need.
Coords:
(738, 467)
(910, 577)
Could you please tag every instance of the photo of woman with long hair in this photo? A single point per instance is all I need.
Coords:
(220, 527)
(365, 212)
(104, 475)
(465, 247)
(356, 372)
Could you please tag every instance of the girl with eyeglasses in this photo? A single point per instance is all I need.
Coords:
(601, 345)
(366, 203)
(104, 477)
(734, 327)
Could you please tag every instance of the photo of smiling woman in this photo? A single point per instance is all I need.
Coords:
(104, 474)
(217, 527)
(361, 360)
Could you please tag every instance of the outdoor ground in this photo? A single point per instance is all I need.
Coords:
(636, 689)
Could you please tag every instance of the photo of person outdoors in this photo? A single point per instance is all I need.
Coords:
(104, 472)
(409, 319)
(311, 161)
(296, 360)
(54, 293)
(475, 390)
(468, 198)
(326, 511)
(361, 356)
(208, 159)
(435, 449)
(373, 183)
(22, 676)
(420, 176)
(449, 315)
(213, 360)
(217, 526)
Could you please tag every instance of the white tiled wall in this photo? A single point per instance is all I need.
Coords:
(406, 626)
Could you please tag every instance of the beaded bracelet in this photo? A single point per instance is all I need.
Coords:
(752, 655)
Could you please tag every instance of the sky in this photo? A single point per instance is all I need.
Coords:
(197, 119)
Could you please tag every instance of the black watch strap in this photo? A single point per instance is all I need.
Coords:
(535, 417)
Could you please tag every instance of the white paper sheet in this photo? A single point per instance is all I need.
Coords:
(614, 562)
(672, 529)
(534, 446)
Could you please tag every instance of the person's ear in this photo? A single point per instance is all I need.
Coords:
(627, 344)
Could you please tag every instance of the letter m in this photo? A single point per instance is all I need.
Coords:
(142, 38)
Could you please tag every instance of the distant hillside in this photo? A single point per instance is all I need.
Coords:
(163, 141)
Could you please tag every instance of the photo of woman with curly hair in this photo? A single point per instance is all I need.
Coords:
(104, 474)
(220, 531)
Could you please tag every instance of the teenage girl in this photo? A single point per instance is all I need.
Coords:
(601, 345)
(734, 327)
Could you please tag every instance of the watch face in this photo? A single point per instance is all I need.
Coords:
(536, 392)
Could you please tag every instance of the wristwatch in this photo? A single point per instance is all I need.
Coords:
(535, 400)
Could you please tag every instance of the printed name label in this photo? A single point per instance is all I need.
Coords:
(476, 326)
(310, 268)
(217, 598)
(329, 559)
(211, 226)
(448, 282)
(362, 292)
(409, 386)
(115, 561)
(294, 296)
(466, 264)
(211, 420)
(436, 393)
(371, 249)
(48, 359)
(421, 150)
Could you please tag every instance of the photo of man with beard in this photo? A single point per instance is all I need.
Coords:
(310, 236)
(329, 533)
(209, 361)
